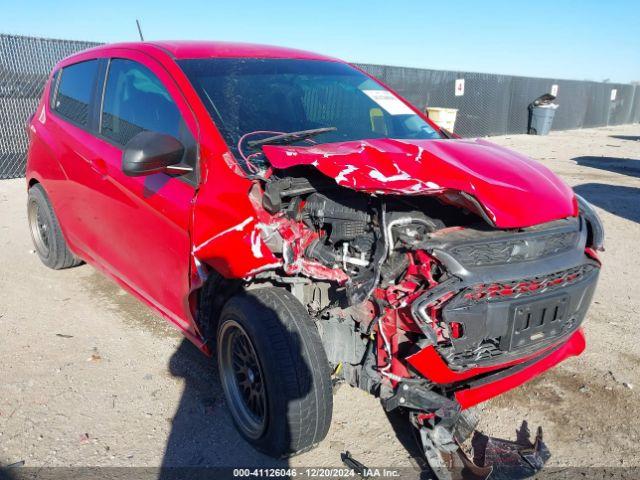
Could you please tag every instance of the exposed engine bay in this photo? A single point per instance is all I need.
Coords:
(434, 284)
(397, 284)
(432, 287)
(386, 276)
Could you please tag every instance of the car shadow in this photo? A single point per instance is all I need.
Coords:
(633, 138)
(153, 183)
(7, 473)
(623, 166)
(202, 435)
(619, 200)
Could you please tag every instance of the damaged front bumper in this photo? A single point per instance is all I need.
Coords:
(510, 328)
(479, 384)
(506, 323)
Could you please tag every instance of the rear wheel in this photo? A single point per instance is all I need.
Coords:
(47, 237)
(274, 372)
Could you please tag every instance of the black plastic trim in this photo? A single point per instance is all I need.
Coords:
(53, 89)
(495, 376)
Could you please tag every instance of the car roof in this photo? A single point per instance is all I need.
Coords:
(180, 50)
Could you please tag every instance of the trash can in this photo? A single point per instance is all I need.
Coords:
(443, 117)
(541, 113)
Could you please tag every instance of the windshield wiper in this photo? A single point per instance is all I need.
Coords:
(287, 138)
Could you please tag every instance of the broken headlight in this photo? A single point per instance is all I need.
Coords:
(595, 228)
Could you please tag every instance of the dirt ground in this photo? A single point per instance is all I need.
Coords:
(89, 377)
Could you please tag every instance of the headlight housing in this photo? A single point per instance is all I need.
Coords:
(594, 224)
(520, 248)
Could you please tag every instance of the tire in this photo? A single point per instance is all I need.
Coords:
(46, 235)
(290, 380)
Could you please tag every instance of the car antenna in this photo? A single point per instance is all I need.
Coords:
(139, 30)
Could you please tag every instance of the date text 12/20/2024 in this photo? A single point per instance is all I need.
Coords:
(316, 472)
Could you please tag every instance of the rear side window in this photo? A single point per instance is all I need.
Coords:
(134, 101)
(75, 88)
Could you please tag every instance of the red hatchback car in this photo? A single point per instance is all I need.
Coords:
(300, 219)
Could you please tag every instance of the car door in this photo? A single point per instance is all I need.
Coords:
(142, 223)
(72, 135)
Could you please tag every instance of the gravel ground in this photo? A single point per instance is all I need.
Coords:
(91, 378)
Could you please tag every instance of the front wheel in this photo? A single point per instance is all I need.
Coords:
(274, 372)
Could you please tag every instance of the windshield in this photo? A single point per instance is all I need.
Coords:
(253, 99)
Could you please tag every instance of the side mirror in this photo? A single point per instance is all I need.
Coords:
(152, 152)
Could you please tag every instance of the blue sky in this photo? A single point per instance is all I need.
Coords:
(588, 39)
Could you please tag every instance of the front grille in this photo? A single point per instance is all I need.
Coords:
(500, 321)
(487, 351)
(515, 248)
(493, 291)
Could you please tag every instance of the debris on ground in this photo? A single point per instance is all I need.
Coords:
(620, 381)
(493, 458)
(354, 464)
(512, 460)
(95, 356)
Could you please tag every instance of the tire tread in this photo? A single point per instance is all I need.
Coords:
(294, 343)
(60, 257)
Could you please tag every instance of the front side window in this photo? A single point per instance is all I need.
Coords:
(247, 96)
(135, 101)
(75, 90)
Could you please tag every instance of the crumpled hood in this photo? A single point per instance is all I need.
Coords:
(514, 190)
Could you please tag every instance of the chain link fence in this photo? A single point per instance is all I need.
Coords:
(490, 104)
(25, 63)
